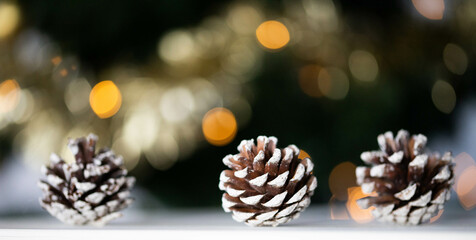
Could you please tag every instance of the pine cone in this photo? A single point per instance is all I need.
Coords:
(267, 186)
(411, 183)
(90, 190)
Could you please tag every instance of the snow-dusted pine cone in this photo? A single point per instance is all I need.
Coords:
(266, 186)
(90, 190)
(411, 183)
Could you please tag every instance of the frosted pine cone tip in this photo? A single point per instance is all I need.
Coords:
(266, 186)
(411, 183)
(90, 190)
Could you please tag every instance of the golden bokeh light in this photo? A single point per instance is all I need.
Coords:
(308, 76)
(272, 34)
(177, 104)
(431, 9)
(9, 95)
(129, 152)
(455, 59)
(105, 99)
(341, 178)
(356, 213)
(303, 154)
(244, 19)
(76, 95)
(219, 126)
(363, 65)
(9, 19)
(333, 83)
(443, 96)
(176, 47)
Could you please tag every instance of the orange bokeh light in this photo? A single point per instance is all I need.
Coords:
(435, 218)
(303, 154)
(219, 126)
(308, 80)
(9, 95)
(466, 188)
(465, 180)
(337, 209)
(356, 213)
(341, 178)
(431, 9)
(105, 99)
(56, 60)
(272, 34)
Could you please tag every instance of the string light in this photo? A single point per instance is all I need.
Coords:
(105, 99)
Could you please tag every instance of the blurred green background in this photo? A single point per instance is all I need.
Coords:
(351, 70)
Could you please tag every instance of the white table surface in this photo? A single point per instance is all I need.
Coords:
(315, 223)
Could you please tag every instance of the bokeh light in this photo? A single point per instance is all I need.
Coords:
(455, 59)
(303, 154)
(308, 80)
(341, 178)
(356, 213)
(219, 126)
(105, 99)
(76, 95)
(130, 152)
(338, 210)
(272, 34)
(9, 95)
(322, 13)
(9, 19)
(177, 104)
(363, 65)
(443, 96)
(465, 180)
(333, 83)
(435, 218)
(431, 9)
(141, 127)
(176, 47)
(244, 19)
(165, 154)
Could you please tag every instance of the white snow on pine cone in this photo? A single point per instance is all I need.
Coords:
(407, 193)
